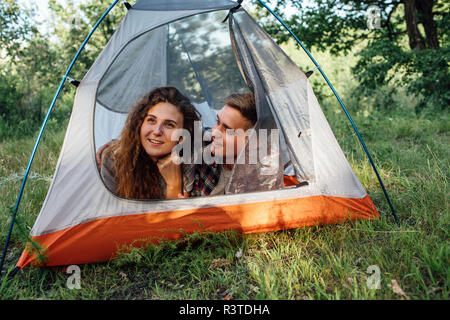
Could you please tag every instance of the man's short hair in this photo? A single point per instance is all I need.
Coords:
(245, 104)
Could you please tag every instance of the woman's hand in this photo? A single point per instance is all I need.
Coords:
(172, 175)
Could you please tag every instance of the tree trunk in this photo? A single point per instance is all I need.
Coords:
(416, 41)
(425, 8)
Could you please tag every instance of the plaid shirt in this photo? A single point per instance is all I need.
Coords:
(206, 178)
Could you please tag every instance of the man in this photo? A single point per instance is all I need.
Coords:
(227, 140)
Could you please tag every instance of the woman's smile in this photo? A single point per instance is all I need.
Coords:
(155, 142)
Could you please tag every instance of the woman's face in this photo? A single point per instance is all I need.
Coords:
(161, 121)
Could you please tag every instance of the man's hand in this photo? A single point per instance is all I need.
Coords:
(98, 155)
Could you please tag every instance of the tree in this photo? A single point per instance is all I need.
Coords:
(410, 48)
(73, 22)
(14, 26)
(25, 69)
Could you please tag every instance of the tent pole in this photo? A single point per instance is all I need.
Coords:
(33, 153)
(342, 105)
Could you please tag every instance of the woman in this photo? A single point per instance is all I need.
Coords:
(139, 164)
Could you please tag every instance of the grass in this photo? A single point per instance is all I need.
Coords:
(321, 262)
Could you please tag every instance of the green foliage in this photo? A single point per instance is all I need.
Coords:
(386, 55)
(423, 73)
(71, 24)
(32, 65)
(433, 80)
(15, 26)
(26, 74)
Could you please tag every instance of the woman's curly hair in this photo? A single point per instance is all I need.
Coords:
(137, 176)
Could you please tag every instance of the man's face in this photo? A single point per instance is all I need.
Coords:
(228, 135)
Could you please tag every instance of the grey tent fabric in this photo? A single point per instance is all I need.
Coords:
(201, 61)
(173, 5)
(284, 85)
(133, 73)
(259, 166)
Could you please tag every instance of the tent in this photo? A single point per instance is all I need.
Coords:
(187, 44)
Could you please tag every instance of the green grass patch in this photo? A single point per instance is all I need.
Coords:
(323, 262)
